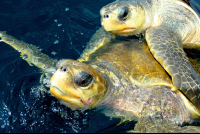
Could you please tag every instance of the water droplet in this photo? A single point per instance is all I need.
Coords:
(53, 53)
(54, 109)
(46, 81)
(25, 56)
(75, 128)
(84, 121)
(66, 9)
(59, 24)
(56, 42)
(8, 84)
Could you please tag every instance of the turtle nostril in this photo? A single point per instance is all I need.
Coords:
(63, 68)
(106, 16)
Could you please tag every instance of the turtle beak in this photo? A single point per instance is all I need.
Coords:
(70, 101)
(61, 95)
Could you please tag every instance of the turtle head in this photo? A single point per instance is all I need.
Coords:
(123, 18)
(77, 85)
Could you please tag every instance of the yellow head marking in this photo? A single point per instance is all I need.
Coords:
(77, 85)
(123, 18)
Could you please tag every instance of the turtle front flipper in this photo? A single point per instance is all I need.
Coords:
(29, 52)
(161, 125)
(32, 55)
(100, 38)
(166, 46)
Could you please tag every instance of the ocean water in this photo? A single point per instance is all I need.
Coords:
(62, 29)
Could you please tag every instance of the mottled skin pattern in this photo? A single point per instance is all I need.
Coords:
(29, 52)
(131, 94)
(176, 63)
(127, 81)
(169, 26)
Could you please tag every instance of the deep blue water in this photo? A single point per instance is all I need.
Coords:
(23, 106)
(62, 29)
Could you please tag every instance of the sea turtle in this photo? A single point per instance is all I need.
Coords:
(121, 76)
(169, 26)
(124, 77)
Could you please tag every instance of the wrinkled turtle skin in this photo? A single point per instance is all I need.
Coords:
(124, 77)
(168, 26)
(121, 76)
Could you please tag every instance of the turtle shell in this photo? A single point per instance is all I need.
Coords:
(83, 85)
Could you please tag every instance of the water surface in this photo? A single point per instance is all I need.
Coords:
(62, 29)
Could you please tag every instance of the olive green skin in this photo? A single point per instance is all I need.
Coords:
(168, 26)
(133, 85)
(137, 87)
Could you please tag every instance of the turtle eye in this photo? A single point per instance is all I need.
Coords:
(83, 79)
(123, 13)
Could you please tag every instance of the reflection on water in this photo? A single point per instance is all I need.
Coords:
(62, 29)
